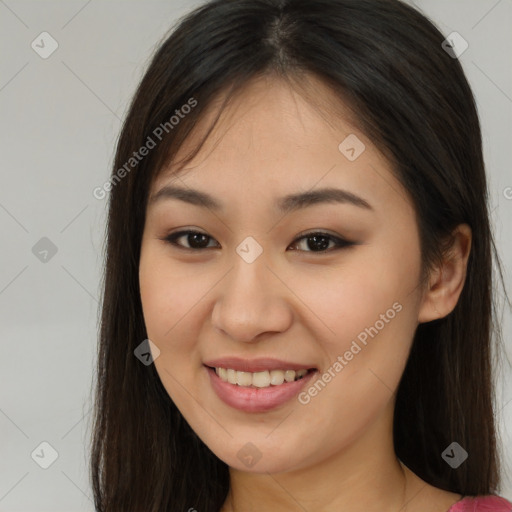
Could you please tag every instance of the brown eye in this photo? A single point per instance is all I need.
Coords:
(316, 242)
(319, 242)
(195, 239)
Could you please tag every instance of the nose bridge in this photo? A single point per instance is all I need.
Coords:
(250, 300)
(250, 267)
(248, 282)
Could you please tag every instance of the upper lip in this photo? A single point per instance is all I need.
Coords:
(255, 365)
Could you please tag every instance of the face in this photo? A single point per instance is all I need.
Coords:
(328, 283)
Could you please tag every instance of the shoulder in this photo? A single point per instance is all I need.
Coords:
(489, 503)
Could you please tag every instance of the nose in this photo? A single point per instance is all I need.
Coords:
(252, 301)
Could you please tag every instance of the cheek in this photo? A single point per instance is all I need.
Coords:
(156, 301)
(368, 308)
(174, 297)
(151, 298)
(167, 292)
(351, 297)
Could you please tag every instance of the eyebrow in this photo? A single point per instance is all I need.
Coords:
(284, 204)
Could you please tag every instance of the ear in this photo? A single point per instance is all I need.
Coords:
(446, 282)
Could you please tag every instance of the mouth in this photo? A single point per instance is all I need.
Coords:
(258, 392)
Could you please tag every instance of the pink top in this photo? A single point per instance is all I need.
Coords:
(490, 503)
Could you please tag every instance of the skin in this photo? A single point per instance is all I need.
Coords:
(292, 303)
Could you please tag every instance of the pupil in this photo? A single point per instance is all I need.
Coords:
(196, 236)
(322, 245)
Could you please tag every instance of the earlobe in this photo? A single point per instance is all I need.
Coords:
(447, 281)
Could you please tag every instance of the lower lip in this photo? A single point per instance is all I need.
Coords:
(251, 399)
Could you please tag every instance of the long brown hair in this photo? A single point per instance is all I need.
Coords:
(385, 60)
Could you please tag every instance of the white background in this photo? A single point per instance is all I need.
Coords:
(60, 118)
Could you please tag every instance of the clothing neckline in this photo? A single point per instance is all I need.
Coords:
(474, 503)
(462, 498)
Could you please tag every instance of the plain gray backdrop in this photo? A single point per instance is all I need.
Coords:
(60, 118)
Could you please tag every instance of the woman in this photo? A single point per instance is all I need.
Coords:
(298, 301)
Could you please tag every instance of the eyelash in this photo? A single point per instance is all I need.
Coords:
(340, 242)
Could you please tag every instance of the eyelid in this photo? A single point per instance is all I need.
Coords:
(341, 242)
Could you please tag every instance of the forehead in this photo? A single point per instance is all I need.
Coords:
(272, 138)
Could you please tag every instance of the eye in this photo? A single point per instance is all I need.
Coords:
(195, 239)
(317, 241)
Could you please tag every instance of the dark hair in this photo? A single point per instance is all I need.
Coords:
(385, 61)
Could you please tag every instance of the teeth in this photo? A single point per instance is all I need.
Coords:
(232, 376)
(276, 377)
(259, 379)
(243, 378)
(289, 375)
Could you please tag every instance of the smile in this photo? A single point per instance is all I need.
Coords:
(259, 391)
